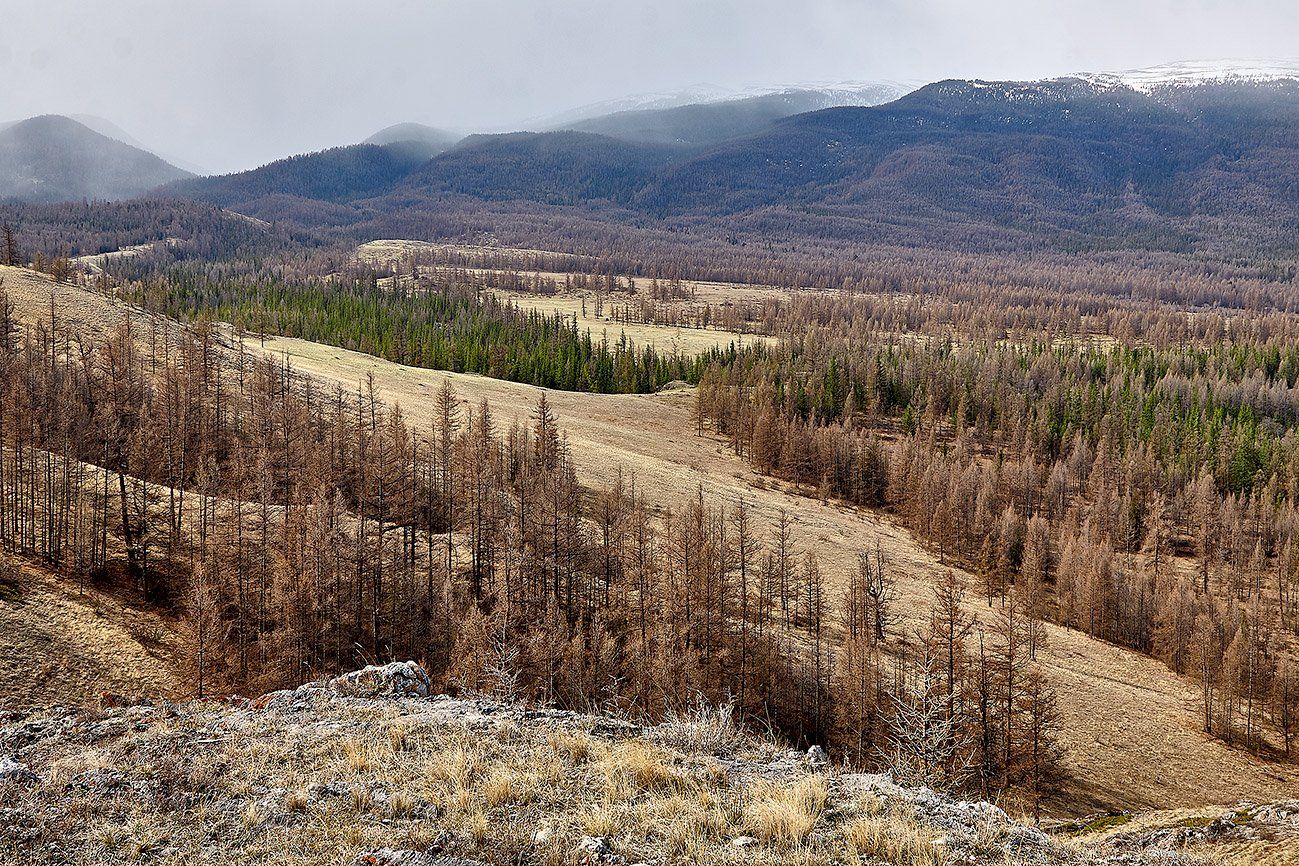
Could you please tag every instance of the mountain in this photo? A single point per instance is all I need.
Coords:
(1066, 161)
(1085, 162)
(836, 93)
(111, 130)
(54, 158)
(416, 137)
(712, 122)
(1190, 158)
(335, 176)
(1186, 74)
(561, 168)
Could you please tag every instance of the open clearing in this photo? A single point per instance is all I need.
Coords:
(395, 252)
(664, 338)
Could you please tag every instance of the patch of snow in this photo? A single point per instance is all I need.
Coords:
(1194, 73)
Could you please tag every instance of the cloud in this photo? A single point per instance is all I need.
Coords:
(232, 83)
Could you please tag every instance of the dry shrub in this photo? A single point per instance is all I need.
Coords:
(296, 801)
(507, 785)
(566, 744)
(702, 728)
(633, 767)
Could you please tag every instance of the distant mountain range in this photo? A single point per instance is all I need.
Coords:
(54, 158)
(1186, 161)
(829, 94)
(1184, 157)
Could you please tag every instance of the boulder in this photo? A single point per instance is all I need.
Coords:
(402, 679)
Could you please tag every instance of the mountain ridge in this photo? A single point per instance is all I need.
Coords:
(52, 157)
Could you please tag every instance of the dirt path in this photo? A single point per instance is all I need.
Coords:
(1131, 727)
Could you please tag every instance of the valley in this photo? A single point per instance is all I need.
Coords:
(837, 474)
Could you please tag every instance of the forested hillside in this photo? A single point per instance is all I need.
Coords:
(296, 526)
(1066, 165)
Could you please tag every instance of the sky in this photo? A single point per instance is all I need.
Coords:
(224, 85)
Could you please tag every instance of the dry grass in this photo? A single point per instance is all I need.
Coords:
(891, 839)
(785, 815)
(61, 646)
(481, 794)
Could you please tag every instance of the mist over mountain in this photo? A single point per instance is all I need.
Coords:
(712, 122)
(1084, 162)
(1183, 157)
(415, 138)
(54, 158)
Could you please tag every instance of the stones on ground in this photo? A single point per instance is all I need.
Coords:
(406, 857)
(543, 836)
(744, 841)
(598, 849)
(319, 791)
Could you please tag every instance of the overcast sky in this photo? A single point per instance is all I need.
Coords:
(228, 84)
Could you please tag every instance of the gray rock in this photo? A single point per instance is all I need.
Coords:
(12, 771)
(597, 849)
(402, 679)
(327, 790)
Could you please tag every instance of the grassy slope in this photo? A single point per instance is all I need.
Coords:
(1131, 726)
(61, 646)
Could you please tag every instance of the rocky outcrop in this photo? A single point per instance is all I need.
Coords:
(404, 679)
(473, 779)
(395, 679)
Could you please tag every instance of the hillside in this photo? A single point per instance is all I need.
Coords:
(368, 768)
(337, 175)
(558, 168)
(1068, 165)
(1121, 711)
(706, 123)
(1064, 163)
(66, 645)
(52, 158)
(1131, 731)
(1092, 164)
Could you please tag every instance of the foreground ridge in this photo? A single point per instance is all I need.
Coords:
(368, 768)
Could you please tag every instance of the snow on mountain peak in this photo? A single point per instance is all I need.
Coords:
(1194, 73)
